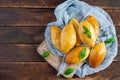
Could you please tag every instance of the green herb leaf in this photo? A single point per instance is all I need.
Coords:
(87, 32)
(83, 53)
(110, 40)
(68, 71)
(46, 54)
(86, 29)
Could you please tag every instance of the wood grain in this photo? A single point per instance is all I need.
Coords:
(105, 3)
(19, 52)
(25, 52)
(115, 19)
(22, 34)
(38, 70)
(25, 17)
(54, 3)
(38, 17)
(30, 3)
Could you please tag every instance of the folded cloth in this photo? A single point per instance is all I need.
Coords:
(80, 10)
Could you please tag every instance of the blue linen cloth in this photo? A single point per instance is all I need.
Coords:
(80, 10)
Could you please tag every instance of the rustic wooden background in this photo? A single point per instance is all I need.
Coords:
(22, 26)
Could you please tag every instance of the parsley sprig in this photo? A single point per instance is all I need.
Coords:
(83, 53)
(68, 71)
(87, 32)
(110, 40)
(46, 54)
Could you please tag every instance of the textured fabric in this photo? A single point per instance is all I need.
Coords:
(80, 10)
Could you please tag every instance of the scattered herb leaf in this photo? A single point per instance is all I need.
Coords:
(110, 40)
(87, 32)
(46, 54)
(68, 71)
(83, 53)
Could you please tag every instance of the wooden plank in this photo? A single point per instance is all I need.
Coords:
(54, 3)
(25, 52)
(22, 34)
(37, 17)
(30, 3)
(117, 29)
(19, 52)
(38, 70)
(116, 20)
(105, 3)
(25, 17)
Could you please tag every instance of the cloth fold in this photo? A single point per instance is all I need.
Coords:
(80, 10)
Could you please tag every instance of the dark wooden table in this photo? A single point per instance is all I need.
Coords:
(22, 27)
